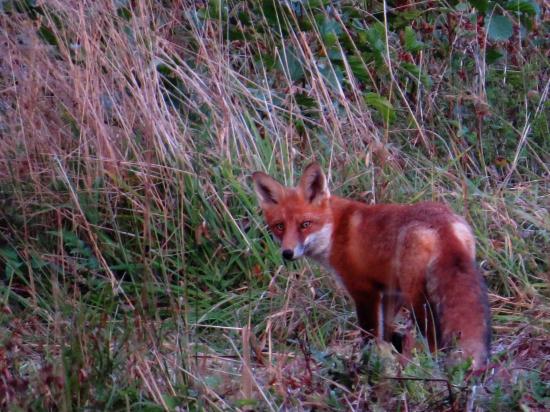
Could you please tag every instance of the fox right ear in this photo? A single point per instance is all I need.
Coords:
(268, 190)
(313, 184)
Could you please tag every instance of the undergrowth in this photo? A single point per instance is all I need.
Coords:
(137, 273)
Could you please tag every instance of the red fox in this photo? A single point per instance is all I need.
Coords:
(387, 255)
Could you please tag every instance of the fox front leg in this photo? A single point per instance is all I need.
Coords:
(370, 314)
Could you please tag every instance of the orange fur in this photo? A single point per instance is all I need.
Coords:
(421, 256)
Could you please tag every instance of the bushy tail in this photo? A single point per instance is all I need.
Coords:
(459, 294)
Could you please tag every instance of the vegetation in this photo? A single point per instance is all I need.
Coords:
(136, 271)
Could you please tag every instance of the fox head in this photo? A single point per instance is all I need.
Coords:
(300, 217)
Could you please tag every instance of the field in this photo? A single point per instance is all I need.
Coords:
(136, 270)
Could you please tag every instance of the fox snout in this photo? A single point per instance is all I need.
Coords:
(291, 254)
(288, 254)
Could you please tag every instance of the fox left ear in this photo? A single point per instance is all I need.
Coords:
(313, 184)
(268, 190)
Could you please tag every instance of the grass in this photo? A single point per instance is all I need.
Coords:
(137, 272)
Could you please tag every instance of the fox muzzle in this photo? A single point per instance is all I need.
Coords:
(288, 254)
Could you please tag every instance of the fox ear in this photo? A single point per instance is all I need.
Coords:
(313, 184)
(268, 190)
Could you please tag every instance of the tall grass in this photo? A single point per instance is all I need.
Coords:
(137, 271)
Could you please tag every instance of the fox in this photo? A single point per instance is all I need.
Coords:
(387, 256)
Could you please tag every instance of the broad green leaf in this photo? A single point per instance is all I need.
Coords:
(499, 28)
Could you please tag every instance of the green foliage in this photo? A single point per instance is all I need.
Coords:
(499, 28)
(411, 43)
(382, 105)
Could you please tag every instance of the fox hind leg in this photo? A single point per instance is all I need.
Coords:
(425, 317)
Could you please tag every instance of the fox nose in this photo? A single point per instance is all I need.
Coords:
(288, 254)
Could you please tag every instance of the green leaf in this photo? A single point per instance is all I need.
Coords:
(415, 72)
(481, 5)
(269, 9)
(291, 64)
(12, 260)
(382, 105)
(358, 68)
(305, 101)
(499, 28)
(492, 55)
(315, 3)
(124, 13)
(47, 35)
(331, 73)
(246, 402)
(330, 30)
(411, 44)
(376, 36)
(217, 9)
(528, 7)
(411, 14)
(330, 39)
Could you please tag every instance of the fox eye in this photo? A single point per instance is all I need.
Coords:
(305, 224)
(279, 227)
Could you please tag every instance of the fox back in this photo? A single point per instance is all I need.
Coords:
(421, 256)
